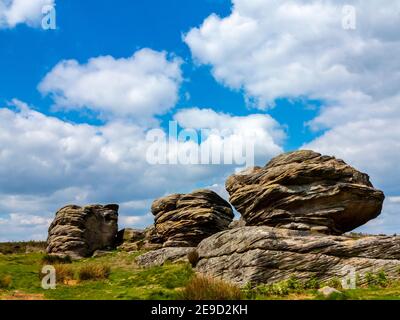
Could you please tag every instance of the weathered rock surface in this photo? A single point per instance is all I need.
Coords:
(101, 253)
(130, 235)
(237, 224)
(183, 220)
(304, 190)
(135, 240)
(163, 255)
(152, 238)
(266, 255)
(79, 231)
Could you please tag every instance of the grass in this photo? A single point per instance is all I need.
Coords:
(54, 259)
(110, 277)
(63, 273)
(377, 287)
(115, 276)
(94, 272)
(379, 279)
(207, 288)
(5, 282)
(193, 257)
(22, 247)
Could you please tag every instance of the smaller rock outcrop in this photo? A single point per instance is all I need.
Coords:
(183, 220)
(134, 240)
(305, 190)
(80, 231)
(130, 235)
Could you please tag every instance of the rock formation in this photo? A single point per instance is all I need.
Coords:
(265, 255)
(304, 190)
(293, 214)
(79, 231)
(129, 235)
(183, 220)
(134, 240)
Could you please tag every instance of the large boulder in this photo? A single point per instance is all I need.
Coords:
(263, 255)
(183, 220)
(80, 231)
(304, 190)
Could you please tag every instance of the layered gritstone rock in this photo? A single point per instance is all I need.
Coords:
(304, 190)
(79, 231)
(260, 255)
(160, 256)
(183, 220)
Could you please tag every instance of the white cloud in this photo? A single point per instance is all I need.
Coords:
(28, 220)
(372, 146)
(387, 223)
(276, 49)
(46, 163)
(134, 221)
(141, 86)
(394, 199)
(296, 49)
(260, 131)
(13, 12)
(21, 226)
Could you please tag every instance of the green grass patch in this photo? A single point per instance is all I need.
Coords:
(111, 277)
(116, 276)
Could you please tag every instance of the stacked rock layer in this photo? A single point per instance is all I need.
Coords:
(183, 220)
(79, 231)
(304, 190)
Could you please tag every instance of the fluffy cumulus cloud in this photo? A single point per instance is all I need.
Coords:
(387, 223)
(46, 163)
(274, 49)
(258, 134)
(295, 49)
(143, 85)
(14, 12)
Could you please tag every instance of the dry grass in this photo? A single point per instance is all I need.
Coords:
(5, 282)
(193, 257)
(207, 288)
(55, 259)
(64, 273)
(94, 272)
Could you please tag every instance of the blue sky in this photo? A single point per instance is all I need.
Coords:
(90, 29)
(289, 70)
